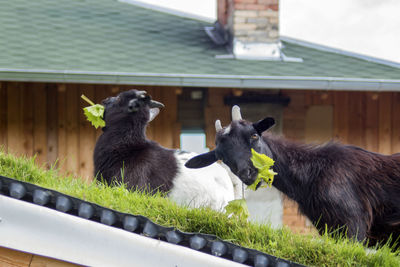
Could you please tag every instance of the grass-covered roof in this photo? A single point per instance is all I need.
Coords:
(309, 249)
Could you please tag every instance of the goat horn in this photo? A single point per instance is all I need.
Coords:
(218, 125)
(236, 116)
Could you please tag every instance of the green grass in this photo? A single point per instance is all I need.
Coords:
(305, 249)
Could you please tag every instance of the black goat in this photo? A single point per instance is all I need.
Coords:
(124, 154)
(335, 185)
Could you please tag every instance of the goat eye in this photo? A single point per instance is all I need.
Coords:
(254, 136)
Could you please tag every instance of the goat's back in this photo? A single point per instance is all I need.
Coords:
(142, 166)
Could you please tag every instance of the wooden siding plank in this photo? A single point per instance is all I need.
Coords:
(341, 116)
(355, 121)
(396, 123)
(72, 129)
(173, 116)
(27, 112)
(215, 109)
(40, 261)
(3, 116)
(322, 98)
(61, 129)
(150, 131)
(151, 128)
(319, 124)
(293, 126)
(159, 135)
(86, 136)
(371, 121)
(385, 123)
(40, 125)
(52, 124)
(14, 118)
(169, 117)
(15, 258)
(101, 93)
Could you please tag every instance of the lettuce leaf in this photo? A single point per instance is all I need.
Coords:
(237, 207)
(264, 164)
(94, 113)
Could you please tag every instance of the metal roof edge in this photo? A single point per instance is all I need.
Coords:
(167, 10)
(201, 80)
(339, 51)
(43, 231)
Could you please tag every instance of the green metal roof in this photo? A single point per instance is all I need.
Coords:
(106, 41)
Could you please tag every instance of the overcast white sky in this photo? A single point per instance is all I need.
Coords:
(369, 27)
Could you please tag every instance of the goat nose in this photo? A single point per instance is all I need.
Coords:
(244, 173)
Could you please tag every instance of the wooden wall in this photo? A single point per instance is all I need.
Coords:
(14, 258)
(47, 121)
(367, 119)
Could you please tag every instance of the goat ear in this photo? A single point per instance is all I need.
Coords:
(263, 125)
(202, 160)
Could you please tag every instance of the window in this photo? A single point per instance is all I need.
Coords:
(194, 141)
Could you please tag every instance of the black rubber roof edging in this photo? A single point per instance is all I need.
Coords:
(137, 224)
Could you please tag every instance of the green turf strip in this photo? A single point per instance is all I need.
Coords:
(305, 249)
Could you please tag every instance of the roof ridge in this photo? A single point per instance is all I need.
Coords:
(167, 10)
(340, 51)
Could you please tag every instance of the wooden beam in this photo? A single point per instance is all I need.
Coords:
(52, 124)
(385, 123)
(3, 116)
(40, 261)
(86, 135)
(10, 257)
(371, 121)
(40, 125)
(341, 116)
(72, 129)
(14, 118)
(27, 112)
(396, 123)
(355, 119)
(61, 129)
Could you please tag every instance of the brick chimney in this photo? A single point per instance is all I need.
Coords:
(253, 27)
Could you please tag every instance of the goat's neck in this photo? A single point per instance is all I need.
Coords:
(293, 165)
(128, 135)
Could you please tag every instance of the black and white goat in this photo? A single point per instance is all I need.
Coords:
(124, 154)
(335, 185)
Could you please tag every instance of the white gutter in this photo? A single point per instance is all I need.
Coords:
(200, 80)
(43, 231)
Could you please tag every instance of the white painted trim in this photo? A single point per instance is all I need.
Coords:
(201, 80)
(339, 51)
(167, 10)
(43, 231)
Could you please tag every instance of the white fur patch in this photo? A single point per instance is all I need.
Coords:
(206, 187)
(214, 186)
(153, 113)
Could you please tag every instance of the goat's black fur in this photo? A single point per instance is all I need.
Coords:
(124, 154)
(335, 185)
